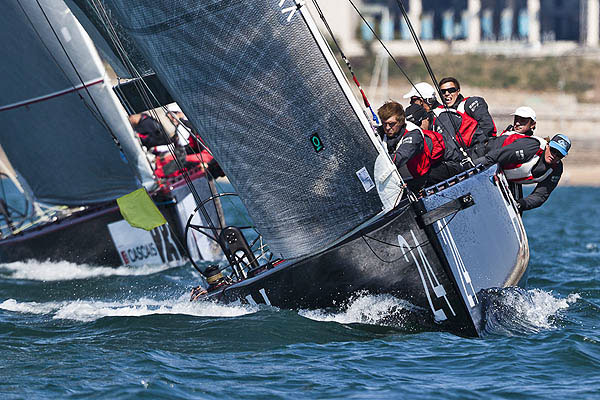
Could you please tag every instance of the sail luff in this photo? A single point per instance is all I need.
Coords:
(387, 178)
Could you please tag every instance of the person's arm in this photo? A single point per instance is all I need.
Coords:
(477, 108)
(542, 190)
(411, 144)
(517, 152)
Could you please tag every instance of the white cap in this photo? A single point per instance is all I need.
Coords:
(525, 112)
(423, 90)
(174, 108)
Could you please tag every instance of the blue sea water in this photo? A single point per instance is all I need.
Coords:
(81, 331)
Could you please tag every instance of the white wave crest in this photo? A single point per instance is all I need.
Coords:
(364, 309)
(518, 311)
(540, 309)
(64, 271)
(89, 310)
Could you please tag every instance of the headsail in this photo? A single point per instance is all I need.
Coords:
(57, 110)
(253, 80)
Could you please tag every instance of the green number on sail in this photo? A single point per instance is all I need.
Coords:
(316, 142)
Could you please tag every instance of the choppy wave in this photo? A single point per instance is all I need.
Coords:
(64, 271)
(90, 310)
(384, 310)
(515, 311)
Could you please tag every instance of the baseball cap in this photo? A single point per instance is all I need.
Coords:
(174, 108)
(561, 143)
(415, 114)
(525, 112)
(423, 90)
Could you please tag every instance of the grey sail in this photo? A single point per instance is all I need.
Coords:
(57, 110)
(253, 80)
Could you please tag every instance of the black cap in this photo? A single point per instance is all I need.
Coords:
(415, 114)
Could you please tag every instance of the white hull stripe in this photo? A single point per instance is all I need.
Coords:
(50, 96)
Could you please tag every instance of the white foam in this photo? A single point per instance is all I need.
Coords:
(543, 306)
(29, 308)
(365, 309)
(536, 310)
(63, 271)
(89, 310)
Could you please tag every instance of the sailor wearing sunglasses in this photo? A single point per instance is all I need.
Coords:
(477, 125)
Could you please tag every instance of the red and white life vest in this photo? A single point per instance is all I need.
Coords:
(468, 124)
(421, 163)
(521, 173)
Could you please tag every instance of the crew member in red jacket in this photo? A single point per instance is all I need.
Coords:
(412, 149)
(477, 125)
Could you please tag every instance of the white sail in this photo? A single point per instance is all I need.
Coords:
(57, 110)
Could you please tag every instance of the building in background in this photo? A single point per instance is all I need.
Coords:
(493, 26)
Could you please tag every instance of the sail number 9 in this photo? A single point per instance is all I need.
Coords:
(316, 142)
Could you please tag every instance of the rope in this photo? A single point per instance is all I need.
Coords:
(144, 91)
(415, 37)
(354, 78)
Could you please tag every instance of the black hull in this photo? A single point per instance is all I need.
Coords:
(415, 253)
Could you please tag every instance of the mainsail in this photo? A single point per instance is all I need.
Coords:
(57, 110)
(272, 107)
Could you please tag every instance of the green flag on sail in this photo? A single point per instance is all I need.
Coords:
(140, 211)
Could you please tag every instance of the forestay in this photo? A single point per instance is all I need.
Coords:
(54, 134)
(253, 80)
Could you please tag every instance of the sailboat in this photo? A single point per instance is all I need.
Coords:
(73, 152)
(263, 89)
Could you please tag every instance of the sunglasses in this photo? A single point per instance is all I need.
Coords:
(390, 124)
(449, 90)
(556, 153)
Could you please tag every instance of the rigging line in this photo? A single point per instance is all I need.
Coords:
(144, 93)
(102, 13)
(434, 79)
(384, 46)
(140, 83)
(410, 249)
(133, 71)
(108, 128)
(354, 78)
(94, 114)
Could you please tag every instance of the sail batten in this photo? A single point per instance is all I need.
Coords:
(261, 92)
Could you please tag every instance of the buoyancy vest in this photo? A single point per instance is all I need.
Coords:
(521, 173)
(421, 163)
(468, 124)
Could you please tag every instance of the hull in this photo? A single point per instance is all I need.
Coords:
(438, 254)
(100, 236)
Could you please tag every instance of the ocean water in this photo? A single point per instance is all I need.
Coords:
(81, 331)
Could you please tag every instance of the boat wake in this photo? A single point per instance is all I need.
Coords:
(383, 310)
(90, 310)
(516, 311)
(64, 271)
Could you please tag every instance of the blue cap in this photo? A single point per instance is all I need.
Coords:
(561, 143)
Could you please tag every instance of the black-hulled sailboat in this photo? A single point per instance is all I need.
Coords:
(264, 91)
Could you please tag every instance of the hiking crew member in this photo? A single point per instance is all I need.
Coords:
(529, 160)
(477, 125)
(412, 150)
(524, 122)
(423, 94)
